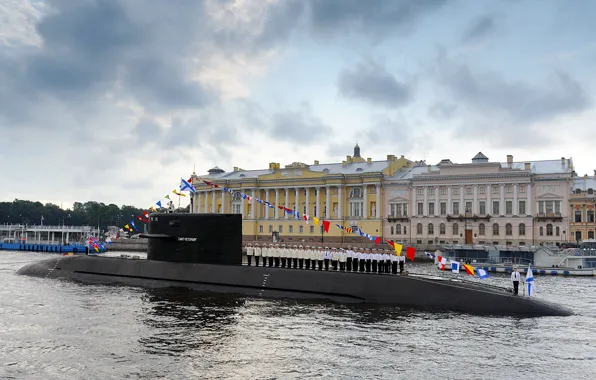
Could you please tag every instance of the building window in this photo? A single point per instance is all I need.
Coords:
(236, 209)
(482, 190)
(590, 216)
(443, 208)
(549, 230)
(578, 236)
(495, 207)
(590, 191)
(443, 190)
(280, 228)
(312, 229)
(405, 232)
(590, 234)
(391, 230)
(419, 191)
(468, 190)
(549, 207)
(356, 209)
(508, 207)
(456, 190)
(290, 229)
(431, 208)
(522, 188)
(482, 207)
(557, 231)
(419, 229)
(455, 208)
(260, 229)
(399, 209)
(304, 210)
(481, 229)
(300, 229)
(431, 229)
(541, 231)
(398, 229)
(508, 229)
(509, 189)
(442, 229)
(522, 229)
(522, 208)
(270, 228)
(578, 217)
(356, 192)
(455, 229)
(496, 229)
(468, 206)
(495, 190)
(431, 191)
(420, 208)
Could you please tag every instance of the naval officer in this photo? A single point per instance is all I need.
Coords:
(388, 261)
(313, 258)
(402, 262)
(362, 260)
(355, 257)
(249, 253)
(257, 254)
(394, 263)
(320, 257)
(349, 257)
(283, 254)
(515, 278)
(334, 258)
(327, 258)
(368, 260)
(295, 257)
(307, 257)
(343, 257)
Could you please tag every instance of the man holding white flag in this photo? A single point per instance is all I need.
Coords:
(530, 281)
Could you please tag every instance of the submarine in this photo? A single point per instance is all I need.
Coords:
(204, 252)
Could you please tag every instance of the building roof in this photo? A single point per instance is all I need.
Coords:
(584, 183)
(542, 166)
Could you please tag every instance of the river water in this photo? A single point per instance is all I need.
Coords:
(51, 329)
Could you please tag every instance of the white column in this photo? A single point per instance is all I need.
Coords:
(340, 201)
(475, 204)
(213, 201)
(253, 204)
(515, 203)
(462, 205)
(318, 213)
(276, 203)
(198, 202)
(296, 200)
(414, 210)
(256, 205)
(489, 206)
(287, 191)
(502, 201)
(267, 200)
(425, 205)
(307, 189)
(223, 202)
(449, 201)
(365, 199)
(378, 208)
(529, 199)
(328, 202)
(437, 211)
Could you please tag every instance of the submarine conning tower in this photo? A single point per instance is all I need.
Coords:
(195, 238)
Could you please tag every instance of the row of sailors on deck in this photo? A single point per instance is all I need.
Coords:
(351, 259)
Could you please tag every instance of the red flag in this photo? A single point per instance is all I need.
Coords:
(391, 243)
(326, 225)
(377, 240)
(410, 253)
(207, 183)
(189, 180)
(280, 207)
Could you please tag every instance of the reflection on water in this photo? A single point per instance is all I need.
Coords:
(59, 330)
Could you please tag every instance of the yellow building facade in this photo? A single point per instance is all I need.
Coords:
(582, 224)
(347, 193)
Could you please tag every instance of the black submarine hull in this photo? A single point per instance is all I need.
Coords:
(410, 292)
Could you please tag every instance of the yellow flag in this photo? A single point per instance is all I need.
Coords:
(398, 248)
(316, 221)
(179, 194)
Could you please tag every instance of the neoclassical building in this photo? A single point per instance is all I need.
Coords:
(582, 222)
(481, 202)
(347, 193)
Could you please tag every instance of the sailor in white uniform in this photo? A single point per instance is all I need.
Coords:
(355, 259)
(388, 261)
(343, 257)
(349, 259)
(362, 260)
(313, 258)
(282, 255)
(295, 257)
(307, 257)
(249, 253)
(374, 260)
(327, 258)
(402, 262)
(394, 262)
(515, 278)
(334, 258)
(320, 257)
(257, 254)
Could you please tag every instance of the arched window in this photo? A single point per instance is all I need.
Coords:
(442, 229)
(549, 230)
(508, 229)
(359, 169)
(578, 191)
(398, 229)
(557, 231)
(237, 197)
(431, 229)
(590, 191)
(481, 229)
(496, 229)
(455, 229)
(522, 229)
(419, 229)
(541, 231)
(356, 192)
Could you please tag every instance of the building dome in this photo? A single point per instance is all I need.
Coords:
(356, 150)
(479, 158)
(215, 170)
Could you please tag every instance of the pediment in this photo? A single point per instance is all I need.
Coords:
(398, 200)
(549, 196)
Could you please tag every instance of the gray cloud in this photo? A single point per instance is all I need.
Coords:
(298, 126)
(480, 28)
(372, 83)
(442, 111)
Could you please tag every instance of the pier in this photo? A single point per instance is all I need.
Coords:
(50, 235)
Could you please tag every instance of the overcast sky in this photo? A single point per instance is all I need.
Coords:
(116, 100)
